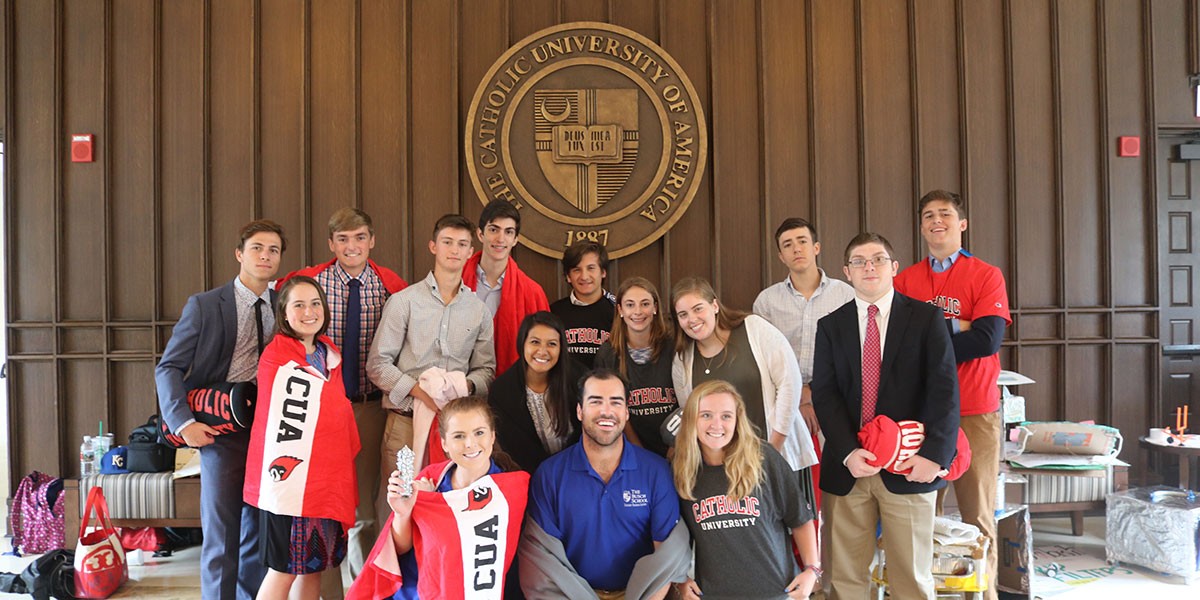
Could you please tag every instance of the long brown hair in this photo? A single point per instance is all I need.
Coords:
(560, 389)
(479, 404)
(727, 318)
(660, 328)
(743, 455)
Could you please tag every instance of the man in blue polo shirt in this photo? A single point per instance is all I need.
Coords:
(610, 503)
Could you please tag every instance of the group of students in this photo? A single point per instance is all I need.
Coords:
(631, 441)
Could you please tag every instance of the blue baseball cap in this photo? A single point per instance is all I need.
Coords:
(115, 461)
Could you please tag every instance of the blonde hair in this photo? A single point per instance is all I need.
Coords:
(743, 456)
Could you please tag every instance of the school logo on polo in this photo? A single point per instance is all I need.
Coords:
(635, 498)
(593, 132)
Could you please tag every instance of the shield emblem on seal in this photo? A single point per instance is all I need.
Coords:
(586, 142)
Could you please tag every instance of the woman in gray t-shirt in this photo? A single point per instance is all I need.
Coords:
(742, 504)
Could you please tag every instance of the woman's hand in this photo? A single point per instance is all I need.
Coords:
(688, 590)
(401, 505)
(802, 586)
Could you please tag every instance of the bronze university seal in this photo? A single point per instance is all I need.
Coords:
(593, 132)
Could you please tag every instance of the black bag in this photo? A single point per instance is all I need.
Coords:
(51, 574)
(146, 454)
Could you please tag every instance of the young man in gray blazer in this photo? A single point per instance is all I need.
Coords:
(219, 338)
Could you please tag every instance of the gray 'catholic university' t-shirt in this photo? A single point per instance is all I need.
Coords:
(743, 546)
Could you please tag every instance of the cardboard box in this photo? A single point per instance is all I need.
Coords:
(1014, 551)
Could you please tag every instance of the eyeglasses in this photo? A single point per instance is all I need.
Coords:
(878, 261)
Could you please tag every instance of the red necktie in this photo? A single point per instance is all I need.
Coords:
(870, 366)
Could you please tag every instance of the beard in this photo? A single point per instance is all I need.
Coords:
(601, 437)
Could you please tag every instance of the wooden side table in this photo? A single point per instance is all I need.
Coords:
(1186, 457)
(187, 509)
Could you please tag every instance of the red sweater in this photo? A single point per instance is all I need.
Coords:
(304, 440)
(519, 296)
(391, 281)
(969, 290)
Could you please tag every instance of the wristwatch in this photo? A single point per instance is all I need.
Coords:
(816, 569)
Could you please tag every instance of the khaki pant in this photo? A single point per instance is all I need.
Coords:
(397, 433)
(850, 522)
(369, 419)
(976, 489)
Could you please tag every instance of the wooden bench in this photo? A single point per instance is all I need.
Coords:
(187, 509)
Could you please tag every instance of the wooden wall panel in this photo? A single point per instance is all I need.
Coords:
(1174, 98)
(1045, 365)
(132, 381)
(1129, 111)
(1135, 389)
(1082, 152)
(734, 111)
(434, 118)
(130, 148)
(641, 17)
(184, 225)
(485, 24)
(82, 212)
(333, 146)
(584, 10)
(32, 224)
(385, 147)
(786, 142)
(1036, 167)
(283, 136)
(936, 86)
(887, 160)
(1087, 386)
(211, 113)
(35, 430)
(81, 377)
(835, 163)
(986, 180)
(685, 36)
(232, 129)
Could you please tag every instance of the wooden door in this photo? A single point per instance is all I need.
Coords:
(1179, 269)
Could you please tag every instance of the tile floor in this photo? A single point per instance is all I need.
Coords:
(177, 577)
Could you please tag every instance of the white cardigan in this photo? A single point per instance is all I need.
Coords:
(781, 386)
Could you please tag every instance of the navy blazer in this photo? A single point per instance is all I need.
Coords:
(918, 381)
(199, 351)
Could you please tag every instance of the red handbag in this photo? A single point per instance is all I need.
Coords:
(149, 539)
(100, 566)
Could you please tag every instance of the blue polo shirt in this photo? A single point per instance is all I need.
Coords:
(605, 528)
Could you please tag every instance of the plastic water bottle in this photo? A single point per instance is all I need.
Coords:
(87, 457)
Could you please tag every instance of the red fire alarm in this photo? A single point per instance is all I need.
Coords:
(81, 147)
(1129, 145)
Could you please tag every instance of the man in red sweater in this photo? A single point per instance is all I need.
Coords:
(505, 289)
(973, 297)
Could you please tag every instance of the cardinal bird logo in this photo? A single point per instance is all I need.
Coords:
(282, 467)
(480, 497)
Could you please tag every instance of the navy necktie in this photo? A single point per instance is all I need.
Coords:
(352, 331)
(258, 306)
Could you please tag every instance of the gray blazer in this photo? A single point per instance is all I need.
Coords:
(199, 351)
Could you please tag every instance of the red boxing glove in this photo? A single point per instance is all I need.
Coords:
(892, 442)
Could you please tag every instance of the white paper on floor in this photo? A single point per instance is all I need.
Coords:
(1068, 573)
(1059, 569)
